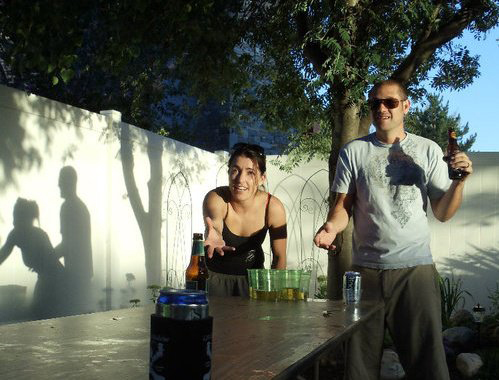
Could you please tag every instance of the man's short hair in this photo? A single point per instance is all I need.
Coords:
(396, 82)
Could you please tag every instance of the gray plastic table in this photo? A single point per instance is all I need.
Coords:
(251, 340)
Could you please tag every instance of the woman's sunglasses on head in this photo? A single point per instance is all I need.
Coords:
(244, 146)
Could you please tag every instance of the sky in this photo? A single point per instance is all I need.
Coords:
(478, 104)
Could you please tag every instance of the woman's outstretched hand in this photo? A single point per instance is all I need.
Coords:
(213, 240)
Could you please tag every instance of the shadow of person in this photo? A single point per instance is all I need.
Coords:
(38, 255)
(402, 170)
(76, 243)
(406, 182)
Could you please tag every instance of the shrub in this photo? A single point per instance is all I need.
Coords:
(451, 294)
(321, 287)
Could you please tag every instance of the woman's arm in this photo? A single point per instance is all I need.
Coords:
(7, 248)
(214, 210)
(278, 233)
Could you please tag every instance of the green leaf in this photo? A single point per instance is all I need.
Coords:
(66, 75)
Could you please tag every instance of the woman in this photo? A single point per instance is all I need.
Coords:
(237, 218)
(38, 255)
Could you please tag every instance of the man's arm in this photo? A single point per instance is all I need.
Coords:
(337, 221)
(278, 233)
(446, 206)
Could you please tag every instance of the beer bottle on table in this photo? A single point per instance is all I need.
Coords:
(196, 274)
(453, 148)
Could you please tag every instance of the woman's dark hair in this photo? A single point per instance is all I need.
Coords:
(254, 152)
(26, 209)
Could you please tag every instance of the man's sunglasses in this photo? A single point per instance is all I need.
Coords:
(253, 147)
(389, 103)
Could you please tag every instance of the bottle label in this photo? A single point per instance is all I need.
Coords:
(197, 248)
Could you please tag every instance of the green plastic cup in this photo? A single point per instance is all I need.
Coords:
(290, 284)
(264, 284)
(303, 295)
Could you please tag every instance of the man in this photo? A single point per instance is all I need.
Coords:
(383, 181)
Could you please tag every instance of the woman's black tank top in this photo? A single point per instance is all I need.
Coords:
(248, 254)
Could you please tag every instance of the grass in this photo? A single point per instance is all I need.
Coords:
(452, 295)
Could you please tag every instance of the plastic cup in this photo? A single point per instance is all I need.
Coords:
(290, 284)
(264, 284)
(251, 282)
(304, 285)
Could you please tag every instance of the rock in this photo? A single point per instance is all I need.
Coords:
(489, 334)
(391, 369)
(495, 334)
(468, 364)
(460, 339)
(450, 352)
(462, 317)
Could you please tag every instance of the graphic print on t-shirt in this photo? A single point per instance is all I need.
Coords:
(400, 176)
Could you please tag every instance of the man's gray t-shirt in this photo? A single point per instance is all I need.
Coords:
(391, 183)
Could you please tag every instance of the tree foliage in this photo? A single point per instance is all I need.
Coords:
(325, 55)
(291, 65)
(433, 122)
(124, 55)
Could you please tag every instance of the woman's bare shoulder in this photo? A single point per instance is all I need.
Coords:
(276, 208)
(215, 202)
(220, 194)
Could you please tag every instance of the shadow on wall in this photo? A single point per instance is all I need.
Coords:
(479, 271)
(185, 165)
(59, 289)
(20, 149)
(38, 256)
(76, 243)
(481, 209)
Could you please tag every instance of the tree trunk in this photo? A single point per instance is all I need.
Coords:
(347, 125)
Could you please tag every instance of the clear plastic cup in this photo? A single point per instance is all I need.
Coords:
(303, 295)
(252, 275)
(290, 284)
(264, 284)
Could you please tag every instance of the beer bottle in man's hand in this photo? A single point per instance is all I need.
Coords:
(453, 148)
(196, 273)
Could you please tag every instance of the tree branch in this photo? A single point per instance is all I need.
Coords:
(426, 46)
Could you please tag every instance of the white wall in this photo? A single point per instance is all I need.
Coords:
(39, 136)
(467, 246)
